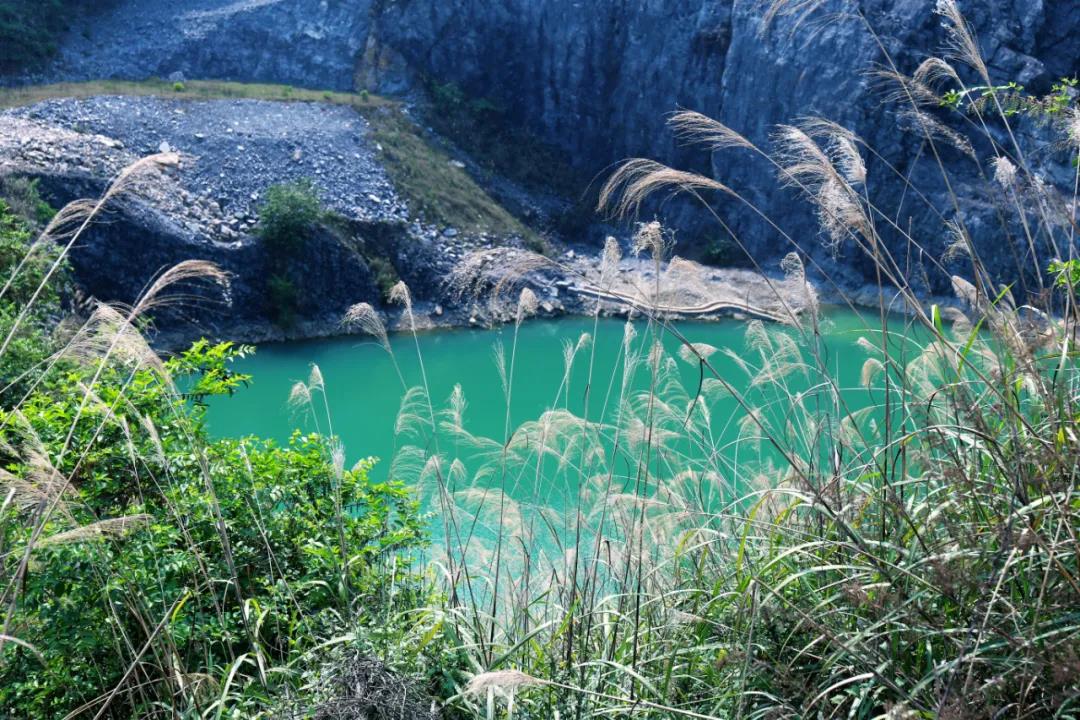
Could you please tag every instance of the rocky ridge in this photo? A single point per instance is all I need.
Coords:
(222, 157)
(597, 79)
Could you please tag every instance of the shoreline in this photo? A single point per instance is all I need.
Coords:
(430, 316)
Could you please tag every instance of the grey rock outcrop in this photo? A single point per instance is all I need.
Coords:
(597, 79)
(203, 203)
(309, 43)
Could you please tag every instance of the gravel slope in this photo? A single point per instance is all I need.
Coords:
(238, 148)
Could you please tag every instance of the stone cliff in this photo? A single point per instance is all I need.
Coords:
(597, 78)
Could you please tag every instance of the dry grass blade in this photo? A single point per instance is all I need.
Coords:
(365, 318)
(637, 180)
(702, 129)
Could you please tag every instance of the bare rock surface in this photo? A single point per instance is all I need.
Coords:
(238, 148)
(597, 80)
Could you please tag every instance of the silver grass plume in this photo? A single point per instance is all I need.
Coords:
(610, 259)
(933, 71)
(400, 295)
(795, 272)
(935, 129)
(1005, 172)
(701, 129)
(806, 165)
(315, 379)
(495, 273)
(526, 307)
(637, 180)
(899, 88)
(841, 146)
(962, 43)
(365, 318)
(1072, 127)
(299, 395)
(694, 353)
(102, 529)
(800, 10)
(650, 238)
(960, 246)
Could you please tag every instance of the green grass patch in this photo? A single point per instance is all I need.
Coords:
(437, 189)
(191, 90)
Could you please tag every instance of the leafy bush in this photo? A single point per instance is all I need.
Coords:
(386, 275)
(287, 219)
(239, 547)
(281, 298)
(720, 251)
(24, 199)
(288, 216)
(24, 266)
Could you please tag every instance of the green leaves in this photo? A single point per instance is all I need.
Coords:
(238, 546)
(208, 365)
(1067, 273)
(288, 215)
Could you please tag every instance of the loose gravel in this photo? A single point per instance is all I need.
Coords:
(242, 147)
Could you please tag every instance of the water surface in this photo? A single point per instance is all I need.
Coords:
(364, 391)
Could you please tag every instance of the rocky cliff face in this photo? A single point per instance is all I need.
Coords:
(309, 43)
(597, 78)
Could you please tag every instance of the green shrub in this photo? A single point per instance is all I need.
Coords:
(386, 275)
(32, 340)
(287, 219)
(149, 566)
(24, 199)
(537, 243)
(288, 216)
(720, 251)
(178, 87)
(244, 549)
